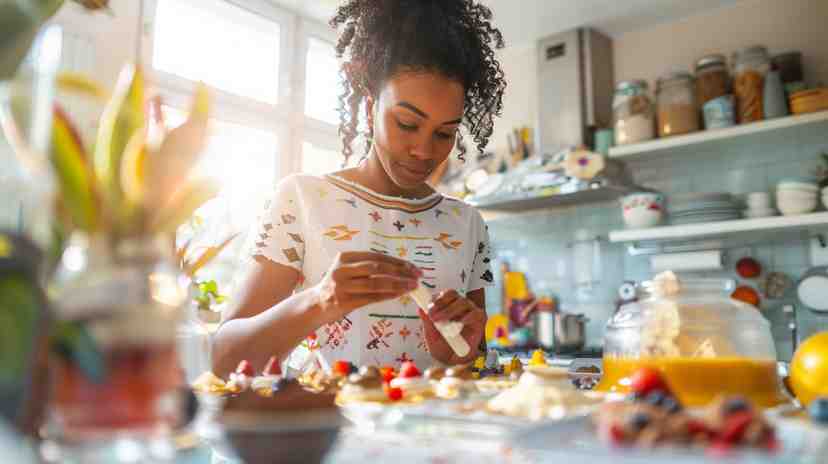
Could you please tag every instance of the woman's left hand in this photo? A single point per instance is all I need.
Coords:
(450, 306)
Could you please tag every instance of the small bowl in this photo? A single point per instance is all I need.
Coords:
(794, 208)
(758, 200)
(795, 195)
(797, 184)
(642, 210)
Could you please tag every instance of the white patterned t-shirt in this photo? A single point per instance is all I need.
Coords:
(309, 220)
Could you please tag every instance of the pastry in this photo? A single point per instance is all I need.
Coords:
(271, 379)
(362, 387)
(411, 381)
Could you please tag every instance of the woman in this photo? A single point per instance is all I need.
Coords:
(337, 256)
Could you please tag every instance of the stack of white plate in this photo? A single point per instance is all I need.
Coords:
(694, 208)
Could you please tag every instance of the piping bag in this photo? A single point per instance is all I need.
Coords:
(450, 330)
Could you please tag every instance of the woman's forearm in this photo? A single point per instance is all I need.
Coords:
(273, 332)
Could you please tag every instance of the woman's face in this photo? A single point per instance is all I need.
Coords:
(415, 119)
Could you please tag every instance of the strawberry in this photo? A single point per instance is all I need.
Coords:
(409, 370)
(342, 368)
(245, 368)
(273, 367)
(616, 434)
(646, 380)
(394, 394)
(697, 427)
(388, 374)
(734, 427)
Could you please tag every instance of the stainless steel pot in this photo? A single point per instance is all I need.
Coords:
(559, 331)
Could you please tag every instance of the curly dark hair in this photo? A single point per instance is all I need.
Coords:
(453, 37)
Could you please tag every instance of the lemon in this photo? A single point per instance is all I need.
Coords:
(809, 369)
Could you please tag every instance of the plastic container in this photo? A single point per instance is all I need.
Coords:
(705, 343)
(678, 112)
(633, 113)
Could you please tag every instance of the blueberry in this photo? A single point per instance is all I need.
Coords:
(655, 398)
(635, 397)
(735, 405)
(671, 405)
(818, 410)
(640, 420)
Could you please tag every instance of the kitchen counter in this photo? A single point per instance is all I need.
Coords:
(359, 447)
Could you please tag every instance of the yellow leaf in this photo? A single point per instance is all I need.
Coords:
(133, 167)
(169, 167)
(122, 116)
(72, 82)
(209, 254)
(182, 205)
(74, 174)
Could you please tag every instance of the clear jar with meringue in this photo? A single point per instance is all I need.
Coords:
(705, 343)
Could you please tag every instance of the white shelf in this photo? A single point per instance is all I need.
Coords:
(724, 229)
(717, 139)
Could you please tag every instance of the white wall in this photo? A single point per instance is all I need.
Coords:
(520, 104)
(781, 25)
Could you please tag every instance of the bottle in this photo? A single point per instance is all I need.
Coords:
(775, 103)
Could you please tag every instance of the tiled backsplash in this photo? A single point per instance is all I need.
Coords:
(537, 243)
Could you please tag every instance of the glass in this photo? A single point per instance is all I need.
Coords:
(704, 342)
(115, 380)
(220, 44)
(677, 110)
(633, 114)
(322, 82)
(749, 69)
(712, 78)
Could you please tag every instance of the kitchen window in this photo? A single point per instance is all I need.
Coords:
(275, 80)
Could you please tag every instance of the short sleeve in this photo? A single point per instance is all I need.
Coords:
(279, 234)
(481, 269)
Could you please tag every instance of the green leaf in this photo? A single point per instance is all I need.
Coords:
(18, 313)
(220, 299)
(210, 287)
(73, 341)
(74, 173)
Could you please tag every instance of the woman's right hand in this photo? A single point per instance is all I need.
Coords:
(357, 279)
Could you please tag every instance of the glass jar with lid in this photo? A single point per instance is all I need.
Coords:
(705, 343)
(677, 110)
(749, 69)
(712, 78)
(633, 114)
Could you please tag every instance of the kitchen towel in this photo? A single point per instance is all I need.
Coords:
(695, 261)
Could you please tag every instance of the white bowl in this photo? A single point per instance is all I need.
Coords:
(792, 208)
(641, 210)
(795, 185)
(793, 195)
(758, 200)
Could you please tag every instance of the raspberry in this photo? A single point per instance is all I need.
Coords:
(647, 380)
(245, 368)
(409, 370)
(273, 367)
(394, 394)
(342, 368)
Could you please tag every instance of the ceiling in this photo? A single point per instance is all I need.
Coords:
(525, 21)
